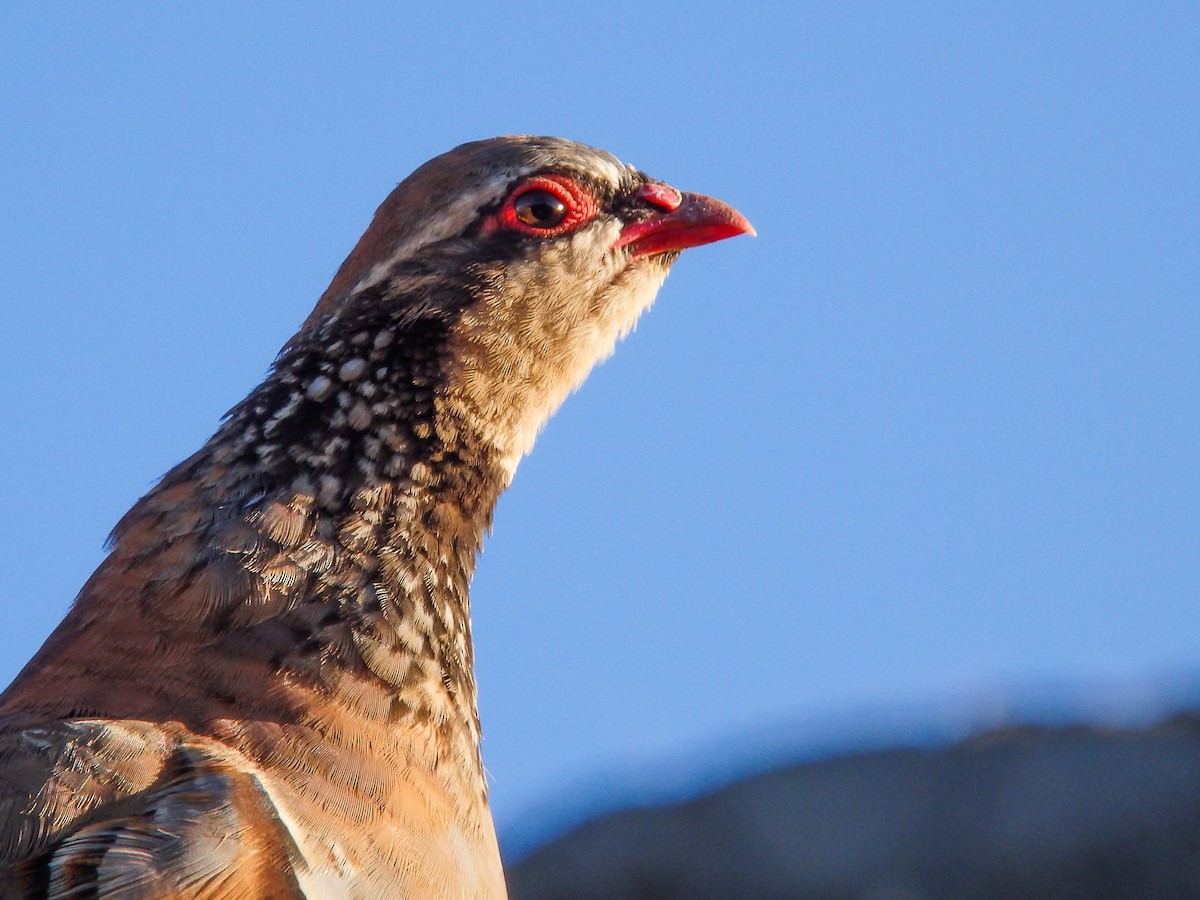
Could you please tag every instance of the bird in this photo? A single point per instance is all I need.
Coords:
(266, 689)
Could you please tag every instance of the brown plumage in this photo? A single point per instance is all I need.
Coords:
(266, 689)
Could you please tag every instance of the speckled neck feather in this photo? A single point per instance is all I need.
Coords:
(322, 541)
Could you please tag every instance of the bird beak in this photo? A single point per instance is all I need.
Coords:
(687, 220)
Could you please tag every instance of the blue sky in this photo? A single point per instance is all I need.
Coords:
(929, 441)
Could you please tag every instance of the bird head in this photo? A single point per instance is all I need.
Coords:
(532, 256)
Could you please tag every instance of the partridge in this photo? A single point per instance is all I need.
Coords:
(267, 688)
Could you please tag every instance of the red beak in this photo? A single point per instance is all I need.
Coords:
(688, 220)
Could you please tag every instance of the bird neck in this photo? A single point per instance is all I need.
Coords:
(353, 499)
(311, 564)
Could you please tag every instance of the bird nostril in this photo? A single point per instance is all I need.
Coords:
(661, 195)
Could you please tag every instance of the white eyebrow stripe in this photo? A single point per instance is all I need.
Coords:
(613, 173)
(455, 218)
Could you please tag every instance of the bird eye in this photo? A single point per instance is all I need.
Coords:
(546, 206)
(539, 209)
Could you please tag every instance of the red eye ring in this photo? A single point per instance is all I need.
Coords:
(562, 203)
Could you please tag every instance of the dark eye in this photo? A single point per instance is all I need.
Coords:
(546, 206)
(539, 209)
